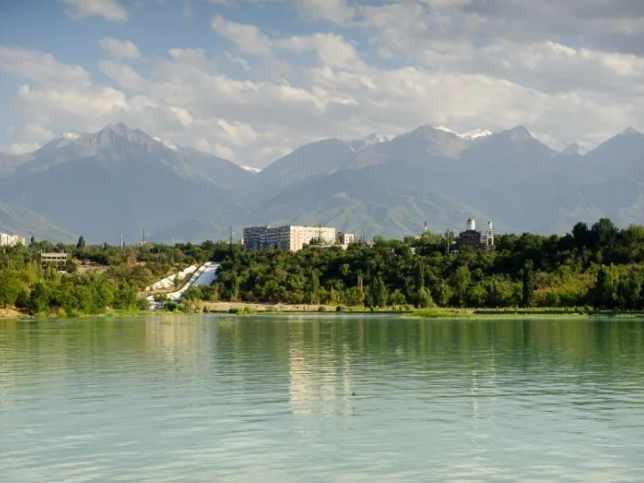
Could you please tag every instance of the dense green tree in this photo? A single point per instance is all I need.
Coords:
(527, 284)
(461, 281)
(604, 292)
(397, 298)
(424, 299)
(40, 298)
(565, 271)
(379, 293)
(10, 287)
(581, 235)
(630, 291)
(81, 243)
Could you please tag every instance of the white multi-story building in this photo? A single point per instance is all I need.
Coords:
(11, 240)
(347, 238)
(291, 238)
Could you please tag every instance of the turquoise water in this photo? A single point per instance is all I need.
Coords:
(295, 399)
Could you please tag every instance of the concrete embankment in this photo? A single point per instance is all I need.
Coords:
(206, 274)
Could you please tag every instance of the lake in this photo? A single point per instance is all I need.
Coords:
(321, 399)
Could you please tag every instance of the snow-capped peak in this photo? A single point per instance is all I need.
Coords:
(471, 135)
(368, 142)
(166, 143)
(64, 139)
(477, 133)
(375, 138)
(446, 129)
(251, 169)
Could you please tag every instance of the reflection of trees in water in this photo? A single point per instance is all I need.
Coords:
(322, 358)
(320, 368)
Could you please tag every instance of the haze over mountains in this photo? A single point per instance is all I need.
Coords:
(124, 180)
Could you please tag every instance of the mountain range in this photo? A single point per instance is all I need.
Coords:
(122, 180)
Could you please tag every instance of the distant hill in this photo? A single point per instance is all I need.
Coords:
(119, 180)
(16, 220)
(620, 199)
(9, 163)
(347, 200)
(123, 180)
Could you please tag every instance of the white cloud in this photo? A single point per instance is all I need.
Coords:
(40, 67)
(109, 9)
(22, 148)
(120, 49)
(235, 59)
(124, 75)
(332, 10)
(238, 133)
(248, 38)
(306, 87)
(27, 138)
(332, 49)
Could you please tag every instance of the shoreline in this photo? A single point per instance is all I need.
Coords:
(257, 309)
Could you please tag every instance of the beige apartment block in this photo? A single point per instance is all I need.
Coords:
(290, 237)
(11, 240)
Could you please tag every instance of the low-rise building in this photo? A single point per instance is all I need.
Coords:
(290, 237)
(57, 260)
(7, 240)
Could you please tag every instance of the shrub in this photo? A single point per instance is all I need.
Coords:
(171, 306)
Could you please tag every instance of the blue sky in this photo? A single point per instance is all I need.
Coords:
(250, 80)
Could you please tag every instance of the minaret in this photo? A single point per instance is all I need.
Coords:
(489, 236)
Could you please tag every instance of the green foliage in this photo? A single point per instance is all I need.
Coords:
(526, 270)
(10, 287)
(599, 266)
(527, 283)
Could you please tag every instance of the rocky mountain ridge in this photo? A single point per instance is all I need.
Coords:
(123, 180)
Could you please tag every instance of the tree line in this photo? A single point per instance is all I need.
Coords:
(599, 266)
(96, 277)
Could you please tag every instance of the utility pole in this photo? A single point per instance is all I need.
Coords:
(121, 240)
(231, 241)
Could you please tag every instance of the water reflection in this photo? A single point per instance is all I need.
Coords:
(321, 399)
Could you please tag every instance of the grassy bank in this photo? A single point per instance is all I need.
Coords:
(444, 313)
(243, 309)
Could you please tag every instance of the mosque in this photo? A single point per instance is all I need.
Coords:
(476, 239)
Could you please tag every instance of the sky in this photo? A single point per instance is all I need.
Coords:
(251, 80)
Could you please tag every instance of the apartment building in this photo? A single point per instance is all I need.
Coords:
(347, 238)
(290, 237)
(11, 240)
